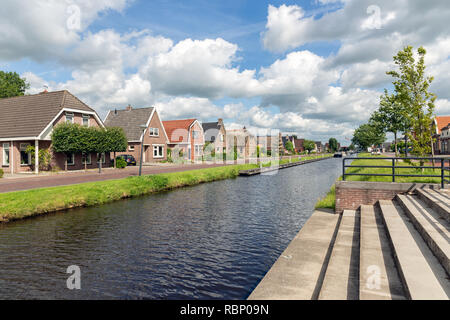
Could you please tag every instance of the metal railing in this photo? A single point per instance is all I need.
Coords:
(442, 161)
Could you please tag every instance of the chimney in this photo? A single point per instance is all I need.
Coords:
(128, 108)
(220, 121)
(115, 111)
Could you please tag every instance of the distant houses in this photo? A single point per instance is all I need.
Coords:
(27, 122)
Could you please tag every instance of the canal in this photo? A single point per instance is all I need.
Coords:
(210, 241)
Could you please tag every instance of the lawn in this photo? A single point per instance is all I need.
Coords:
(329, 200)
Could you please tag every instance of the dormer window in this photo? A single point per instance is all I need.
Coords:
(69, 117)
(86, 118)
(154, 132)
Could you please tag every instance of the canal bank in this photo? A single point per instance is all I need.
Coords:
(25, 204)
(206, 241)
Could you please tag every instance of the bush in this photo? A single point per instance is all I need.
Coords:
(120, 163)
(1, 173)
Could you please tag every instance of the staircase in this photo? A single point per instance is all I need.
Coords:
(394, 250)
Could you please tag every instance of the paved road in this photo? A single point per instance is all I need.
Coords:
(33, 182)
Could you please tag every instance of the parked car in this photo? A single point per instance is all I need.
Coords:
(376, 152)
(338, 155)
(131, 161)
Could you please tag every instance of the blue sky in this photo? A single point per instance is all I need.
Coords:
(314, 67)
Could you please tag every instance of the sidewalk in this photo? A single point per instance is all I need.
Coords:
(25, 182)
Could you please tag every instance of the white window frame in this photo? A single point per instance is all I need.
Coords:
(131, 148)
(195, 134)
(6, 147)
(23, 148)
(72, 157)
(103, 158)
(86, 117)
(154, 132)
(156, 148)
(70, 114)
(88, 158)
(199, 148)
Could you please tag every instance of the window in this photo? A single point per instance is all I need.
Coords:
(158, 151)
(195, 134)
(131, 148)
(198, 150)
(86, 158)
(221, 137)
(69, 117)
(154, 132)
(86, 120)
(103, 157)
(71, 159)
(25, 157)
(6, 154)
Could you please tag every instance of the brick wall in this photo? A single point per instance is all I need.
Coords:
(351, 194)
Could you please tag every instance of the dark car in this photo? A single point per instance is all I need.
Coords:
(131, 161)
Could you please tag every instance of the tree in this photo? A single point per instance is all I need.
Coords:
(368, 134)
(117, 141)
(12, 85)
(309, 145)
(333, 144)
(390, 116)
(411, 88)
(289, 146)
(66, 139)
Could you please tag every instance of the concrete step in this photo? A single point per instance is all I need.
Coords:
(298, 272)
(341, 281)
(378, 276)
(432, 227)
(422, 275)
(438, 200)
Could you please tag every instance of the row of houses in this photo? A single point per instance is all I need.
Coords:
(29, 121)
(441, 134)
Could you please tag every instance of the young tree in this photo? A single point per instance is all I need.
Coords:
(309, 145)
(411, 87)
(66, 139)
(12, 85)
(333, 144)
(117, 141)
(368, 134)
(289, 146)
(390, 116)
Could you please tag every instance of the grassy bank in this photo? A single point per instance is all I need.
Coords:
(23, 204)
(329, 200)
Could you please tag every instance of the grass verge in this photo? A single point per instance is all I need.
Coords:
(23, 204)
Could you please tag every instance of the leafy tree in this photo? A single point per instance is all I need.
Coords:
(390, 116)
(66, 139)
(12, 85)
(411, 87)
(44, 155)
(117, 141)
(333, 144)
(309, 145)
(289, 146)
(368, 134)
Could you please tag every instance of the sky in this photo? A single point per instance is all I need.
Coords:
(315, 68)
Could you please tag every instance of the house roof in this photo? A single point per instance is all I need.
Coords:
(441, 122)
(173, 131)
(210, 125)
(28, 116)
(130, 120)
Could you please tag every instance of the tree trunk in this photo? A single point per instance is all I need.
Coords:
(115, 164)
(65, 164)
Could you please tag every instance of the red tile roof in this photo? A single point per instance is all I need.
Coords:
(177, 130)
(441, 122)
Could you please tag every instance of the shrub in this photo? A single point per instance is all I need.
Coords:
(120, 163)
(1, 173)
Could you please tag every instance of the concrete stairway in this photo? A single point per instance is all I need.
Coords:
(396, 249)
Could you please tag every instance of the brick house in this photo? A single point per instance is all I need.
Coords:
(298, 145)
(319, 146)
(270, 143)
(29, 120)
(445, 140)
(216, 134)
(154, 137)
(438, 124)
(186, 136)
(245, 142)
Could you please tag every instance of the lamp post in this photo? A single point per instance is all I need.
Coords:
(143, 127)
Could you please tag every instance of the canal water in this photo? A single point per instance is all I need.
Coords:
(210, 241)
